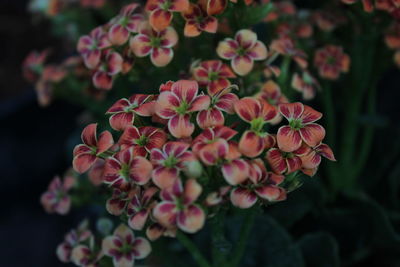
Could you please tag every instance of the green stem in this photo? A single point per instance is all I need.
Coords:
(192, 248)
(243, 236)
(220, 246)
(284, 76)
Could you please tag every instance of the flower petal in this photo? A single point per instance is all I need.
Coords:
(242, 65)
(180, 126)
(141, 248)
(137, 221)
(160, 19)
(291, 110)
(310, 115)
(235, 172)
(164, 177)
(191, 219)
(165, 213)
(258, 51)
(243, 198)
(251, 144)
(227, 49)
(276, 160)
(312, 134)
(288, 139)
(83, 162)
(162, 56)
(140, 170)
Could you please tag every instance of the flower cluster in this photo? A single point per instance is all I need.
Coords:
(390, 6)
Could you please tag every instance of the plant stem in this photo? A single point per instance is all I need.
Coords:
(220, 246)
(243, 236)
(192, 248)
(329, 113)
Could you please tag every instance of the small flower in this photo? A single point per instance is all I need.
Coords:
(86, 154)
(256, 112)
(156, 230)
(142, 139)
(282, 162)
(177, 207)
(156, 44)
(95, 173)
(44, 86)
(272, 94)
(285, 46)
(91, 47)
(168, 163)
(116, 205)
(217, 197)
(124, 168)
(242, 51)
(71, 240)
(213, 75)
(177, 105)
(301, 127)
(161, 12)
(261, 185)
(124, 24)
(331, 61)
(313, 158)
(86, 256)
(32, 66)
(328, 20)
(123, 111)
(197, 21)
(124, 248)
(306, 84)
(140, 206)
(223, 101)
(103, 77)
(56, 198)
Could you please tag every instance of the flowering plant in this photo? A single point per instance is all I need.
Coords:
(216, 127)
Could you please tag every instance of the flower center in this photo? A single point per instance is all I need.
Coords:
(331, 60)
(126, 248)
(296, 124)
(241, 51)
(125, 169)
(142, 141)
(213, 76)
(183, 107)
(287, 155)
(257, 124)
(124, 21)
(155, 42)
(170, 162)
(166, 5)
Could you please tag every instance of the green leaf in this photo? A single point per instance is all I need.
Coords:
(319, 250)
(255, 14)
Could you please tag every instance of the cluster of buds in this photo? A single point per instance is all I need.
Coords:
(175, 160)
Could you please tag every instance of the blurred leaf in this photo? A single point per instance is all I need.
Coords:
(255, 14)
(319, 250)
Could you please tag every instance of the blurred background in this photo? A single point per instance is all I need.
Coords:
(357, 228)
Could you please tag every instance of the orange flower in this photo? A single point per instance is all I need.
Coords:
(285, 46)
(197, 21)
(161, 12)
(331, 61)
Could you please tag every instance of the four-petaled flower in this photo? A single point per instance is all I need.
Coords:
(313, 158)
(177, 104)
(140, 206)
(91, 47)
(161, 11)
(142, 139)
(86, 256)
(286, 162)
(168, 163)
(124, 247)
(156, 44)
(285, 46)
(331, 61)
(197, 21)
(261, 184)
(56, 198)
(213, 75)
(177, 207)
(125, 168)
(271, 92)
(242, 51)
(86, 154)
(306, 84)
(301, 127)
(108, 68)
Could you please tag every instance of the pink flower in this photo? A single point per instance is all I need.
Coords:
(313, 158)
(56, 198)
(124, 169)
(301, 127)
(197, 21)
(124, 248)
(177, 207)
(331, 61)
(242, 51)
(168, 163)
(140, 206)
(86, 256)
(91, 47)
(142, 139)
(261, 185)
(86, 154)
(124, 25)
(306, 84)
(106, 71)
(116, 205)
(73, 239)
(282, 162)
(123, 111)
(285, 46)
(177, 105)
(161, 11)
(156, 44)
(213, 75)
(32, 66)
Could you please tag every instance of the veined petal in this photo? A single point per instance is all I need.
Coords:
(227, 49)
(201, 102)
(162, 56)
(185, 90)
(140, 170)
(164, 177)
(160, 19)
(137, 221)
(311, 160)
(258, 51)
(325, 151)
(276, 160)
(167, 102)
(118, 35)
(242, 65)
(291, 110)
(141, 248)
(226, 102)
(105, 142)
(248, 108)
(191, 29)
(251, 144)
(310, 115)
(269, 192)
(215, 7)
(191, 219)
(192, 191)
(120, 121)
(293, 164)
(235, 172)
(180, 126)
(288, 139)
(165, 213)
(312, 134)
(82, 162)
(115, 206)
(246, 38)
(209, 118)
(89, 136)
(124, 232)
(179, 5)
(243, 198)
(140, 45)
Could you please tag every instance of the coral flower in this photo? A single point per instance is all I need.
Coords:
(142, 139)
(124, 110)
(286, 162)
(168, 162)
(91, 47)
(261, 185)
(242, 51)
(177, 104)
(215, 7)
(117, 203)
(124, 25)
(213, 75)
(256, 112)
(301, 127)
(86, 256)
(313, 158)
(125, 168)
(56, 198)
(140, 206)
(285, 46)
(124, 247)
(271, 93)
(197, 21)
(107, 69)
(73, 239)
(223, 101)
(331, 61)
(177, 207)
(33, 65)
(86, 154)
(161, 11)
(156, 230)
(156, 44)
(306, 84)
